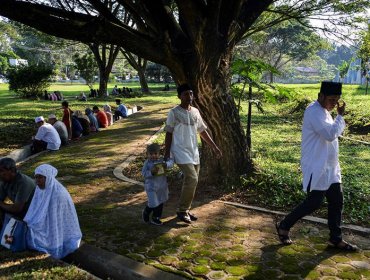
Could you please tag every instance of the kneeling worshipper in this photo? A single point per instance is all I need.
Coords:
(51, 218)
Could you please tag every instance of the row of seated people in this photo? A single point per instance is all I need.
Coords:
(53, 96)
(54, 133)
(125, 91)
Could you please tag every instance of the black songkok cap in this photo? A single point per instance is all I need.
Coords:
(182, 88)
(331, 88)
(153, 148)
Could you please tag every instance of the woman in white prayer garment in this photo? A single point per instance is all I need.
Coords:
(51, 218)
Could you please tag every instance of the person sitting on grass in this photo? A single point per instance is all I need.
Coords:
(84, 121)
(77, 128)
(115, 90)
(67, 118)
(121, 110)
(15, 186)
(156, 187)
(60, 128)
(46, 95)
(46, 137)
(52, 221)
(94, 126)
(101, 117)
(59, 95)
(108, 111)
(53, 96)
(82, 97)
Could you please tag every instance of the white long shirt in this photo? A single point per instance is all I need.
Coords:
(48, 134)
(320, 149)
(184, 125)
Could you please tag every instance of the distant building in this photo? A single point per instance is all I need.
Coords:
(17, 62)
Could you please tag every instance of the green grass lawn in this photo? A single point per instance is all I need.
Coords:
(17, 115)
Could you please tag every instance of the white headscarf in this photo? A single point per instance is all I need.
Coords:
(52, 218)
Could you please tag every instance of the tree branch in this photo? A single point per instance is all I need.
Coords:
(83, 28)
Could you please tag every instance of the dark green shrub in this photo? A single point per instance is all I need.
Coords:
(29, 81)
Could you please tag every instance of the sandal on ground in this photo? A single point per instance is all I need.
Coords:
(343, 245)
(284, 238)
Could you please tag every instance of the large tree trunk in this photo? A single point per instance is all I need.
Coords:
(143, 81)
(103, 80)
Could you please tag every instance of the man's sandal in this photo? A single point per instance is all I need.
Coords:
(343, 246)
(284, 238)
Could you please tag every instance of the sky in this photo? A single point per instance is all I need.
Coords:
(350, 35)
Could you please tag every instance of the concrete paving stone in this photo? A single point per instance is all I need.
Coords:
(344, 267)
(237, 270)
(168, 260)
(327, 270)
(224, 243)
(341, 259)
(253, 244)
(217, 275)
(361, 264)
(352, 275)
(200, 269)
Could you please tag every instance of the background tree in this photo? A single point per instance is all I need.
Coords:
(364, 54)
(336, 54)
(158, 73)
(139, 64)
(285, 42)
(249, 73)
(30, 81)
(194, 39)
(87, 67)
(4, 61)
(105, 56)
(37, 47)
(7, 34)
(343, 69)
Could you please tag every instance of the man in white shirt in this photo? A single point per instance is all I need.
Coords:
(46, 138)
(320, 165)
(182, 125)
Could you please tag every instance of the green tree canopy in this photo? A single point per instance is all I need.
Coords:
(87, 67)
(364, 51)
(284, 42)
(30, 81)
